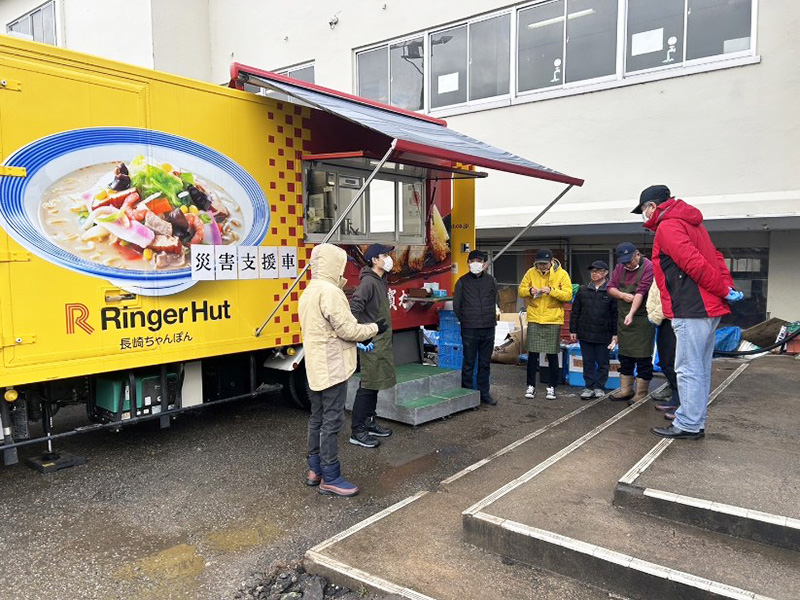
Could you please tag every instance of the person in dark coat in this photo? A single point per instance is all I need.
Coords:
(369, 303)
(474, 303)
(593, 322)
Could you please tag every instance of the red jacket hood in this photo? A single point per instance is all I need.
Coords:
(674, 209)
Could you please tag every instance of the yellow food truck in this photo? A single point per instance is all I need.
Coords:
(155, 231)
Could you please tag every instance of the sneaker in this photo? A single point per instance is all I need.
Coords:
(586, 394)
(598, 393)
(530, 392)
(489, 400)
(551, 393)
(373, 428)
(363, 438)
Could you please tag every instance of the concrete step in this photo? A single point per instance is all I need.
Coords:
(423, 393)
(415, 549)
(560, 516)
(757, 445)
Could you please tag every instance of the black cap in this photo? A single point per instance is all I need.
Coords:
(544, 255)
(480, 254)
(655, 193)
(375, 250)
(598, 264)
(625, 252)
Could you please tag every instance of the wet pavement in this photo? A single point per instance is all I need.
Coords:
(198, 510)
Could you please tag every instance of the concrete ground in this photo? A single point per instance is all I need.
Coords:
(198, 510)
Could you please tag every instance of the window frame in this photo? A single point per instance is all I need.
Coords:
(619, 78)
(29, 16)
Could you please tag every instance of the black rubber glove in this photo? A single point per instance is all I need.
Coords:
(381, 323)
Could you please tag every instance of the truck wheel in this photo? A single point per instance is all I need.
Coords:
(295, 387)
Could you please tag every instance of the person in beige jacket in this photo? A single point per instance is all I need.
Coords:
(330, 333)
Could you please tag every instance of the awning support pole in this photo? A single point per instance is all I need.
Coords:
(331, 233)
(532, 223)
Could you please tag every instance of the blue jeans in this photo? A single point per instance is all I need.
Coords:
(693, 355)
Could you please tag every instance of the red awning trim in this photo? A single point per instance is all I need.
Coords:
(238, 68)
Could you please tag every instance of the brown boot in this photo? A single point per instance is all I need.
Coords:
(642, 389)
(625, 390)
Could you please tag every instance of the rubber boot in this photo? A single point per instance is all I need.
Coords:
(334, 484)
(625, 390)
(314, 475)
(642, 389)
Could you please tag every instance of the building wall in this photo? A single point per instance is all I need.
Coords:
(122, 30)
(181, 37)
(784, 283)
(726, 140)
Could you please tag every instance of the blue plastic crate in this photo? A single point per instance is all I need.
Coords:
(451, 356)
(450, 336)
(447, 316)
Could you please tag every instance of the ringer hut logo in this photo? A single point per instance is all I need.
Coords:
(115, 318)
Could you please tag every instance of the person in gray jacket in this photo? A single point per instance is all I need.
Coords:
(369, 303)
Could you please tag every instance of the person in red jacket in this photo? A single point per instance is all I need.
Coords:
(695, 286)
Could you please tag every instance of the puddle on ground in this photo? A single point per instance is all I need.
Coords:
(173, 563)
(236, 539)
(396, 474)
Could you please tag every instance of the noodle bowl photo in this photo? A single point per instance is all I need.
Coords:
(128, 204)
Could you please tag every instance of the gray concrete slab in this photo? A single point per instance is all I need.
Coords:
(754, 427)
(573, 498)
(420, 546)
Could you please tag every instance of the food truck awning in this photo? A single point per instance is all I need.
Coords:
(420, 138)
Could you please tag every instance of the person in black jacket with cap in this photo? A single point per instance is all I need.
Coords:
(475, 304)
(593, 322)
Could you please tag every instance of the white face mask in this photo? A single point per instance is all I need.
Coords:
(388, 263)
(476, 267)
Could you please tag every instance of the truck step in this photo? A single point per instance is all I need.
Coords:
(423, 393)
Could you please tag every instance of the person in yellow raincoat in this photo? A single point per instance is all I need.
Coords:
(545, 288)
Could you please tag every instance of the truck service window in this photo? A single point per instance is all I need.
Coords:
(392, 208)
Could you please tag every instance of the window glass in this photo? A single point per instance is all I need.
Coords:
(591, 39)
(718, 27)
(449, 67)
(407, 65)
(489, 57)
(22, 26)
(540, 39)
(655, 34)
(49, 24)
(303, 73)
(355, 223)
(373, 75)
(37, 18)
(320, 201)
(382, 207)
(412, 209)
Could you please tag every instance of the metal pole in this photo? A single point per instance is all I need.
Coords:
(331, 232)
(532, 223)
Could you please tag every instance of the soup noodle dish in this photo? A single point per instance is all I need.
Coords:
(144, 214)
